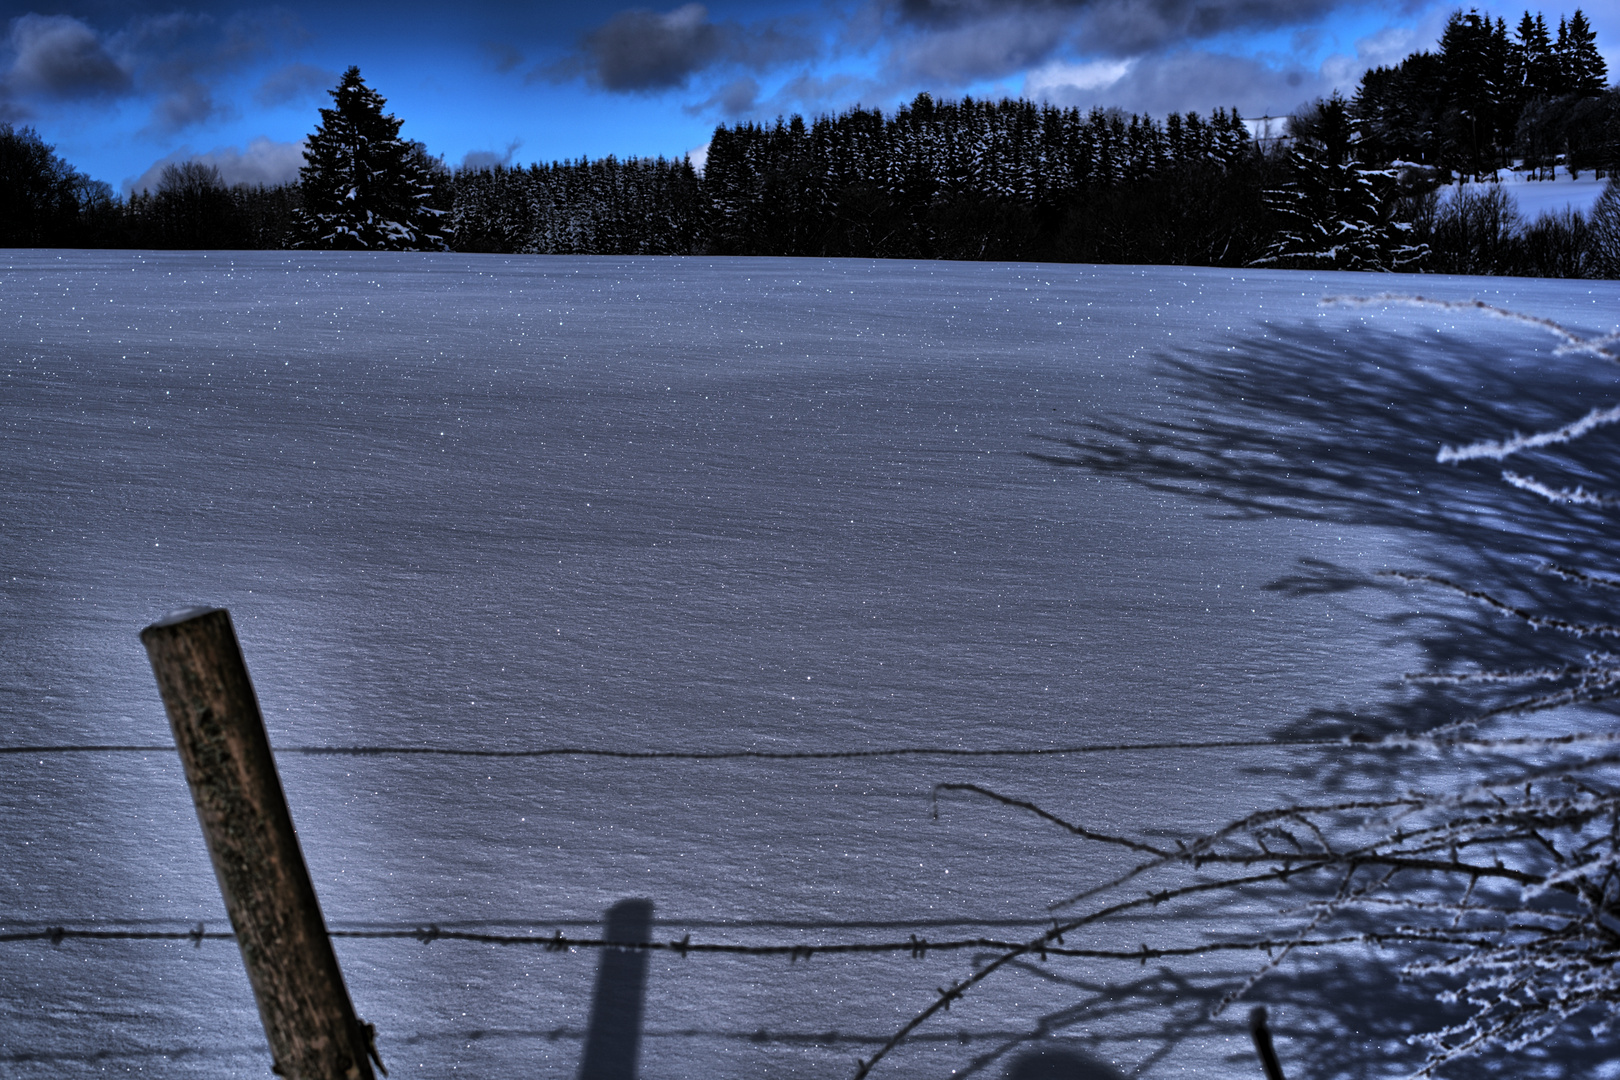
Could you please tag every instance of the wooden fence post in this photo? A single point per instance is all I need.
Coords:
(308, 1018)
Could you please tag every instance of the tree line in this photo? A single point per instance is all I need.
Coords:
(1354, 184)
(1486, 98)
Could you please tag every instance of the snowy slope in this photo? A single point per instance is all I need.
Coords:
(706, 505)
(1537, 197)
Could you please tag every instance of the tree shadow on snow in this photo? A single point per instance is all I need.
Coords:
(1320, 425)
(1344, 428)
(1333, 1016)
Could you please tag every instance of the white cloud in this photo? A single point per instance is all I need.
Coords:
(1158, 84)
(263, 161)
(1091, 75)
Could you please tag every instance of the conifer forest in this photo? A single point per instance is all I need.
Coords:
(1369, 182)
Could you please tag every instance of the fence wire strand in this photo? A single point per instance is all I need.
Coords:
(914, 946)
(1395, 742)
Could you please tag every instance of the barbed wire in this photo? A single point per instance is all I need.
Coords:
(550, 924)
(914, 946)
(1360, 742)
(756, 1035)
(699, 755)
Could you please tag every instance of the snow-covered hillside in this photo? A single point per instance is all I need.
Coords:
(700, 506)
(1537, 197)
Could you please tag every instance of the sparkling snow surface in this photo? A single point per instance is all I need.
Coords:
(509, 503)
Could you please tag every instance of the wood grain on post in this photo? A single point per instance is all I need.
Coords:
(311, 1024)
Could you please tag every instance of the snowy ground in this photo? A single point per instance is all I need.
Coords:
(695, 505)
(1537, 197)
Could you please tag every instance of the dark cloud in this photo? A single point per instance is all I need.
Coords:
(958, 41)
(807, 94)
(172, 60)
(736, 99)
(177, 57)
(294, 82)
(57, 56)
(813, 94)
(502, 56)
(1124, 26)
(1157, 20)
(986, 49)
(643, 50)
(183, 107)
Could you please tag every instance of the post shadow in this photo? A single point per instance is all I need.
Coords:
(1051, 1063)
(613, 1040)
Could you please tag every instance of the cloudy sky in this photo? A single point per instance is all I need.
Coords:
(121, 88)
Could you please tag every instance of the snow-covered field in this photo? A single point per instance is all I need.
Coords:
(714, 505)
(1537, 197)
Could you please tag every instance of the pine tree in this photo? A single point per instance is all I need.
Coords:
(1333, 214)
(1585, 70)
(1533, 52)
(364, 187)
(1474, 59)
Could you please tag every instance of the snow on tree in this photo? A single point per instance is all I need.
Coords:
(1334, 214)
(1535, 63)
(365, 188)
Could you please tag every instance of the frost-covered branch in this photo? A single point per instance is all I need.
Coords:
(1498, 449)
(1575, 496)
(1604, 346)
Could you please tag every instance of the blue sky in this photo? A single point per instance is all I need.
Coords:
(122, 88)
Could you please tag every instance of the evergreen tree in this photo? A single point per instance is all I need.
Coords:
(1537, 65)
(1585, 73)
(1398, 110)
(1479, 94)
(365, 188)
(1333, 214)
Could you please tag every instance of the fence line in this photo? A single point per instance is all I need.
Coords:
(1397, 742)
(916, 947)
(757, 1035)
(548, 925)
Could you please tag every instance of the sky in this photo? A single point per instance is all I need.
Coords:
(121, 89)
